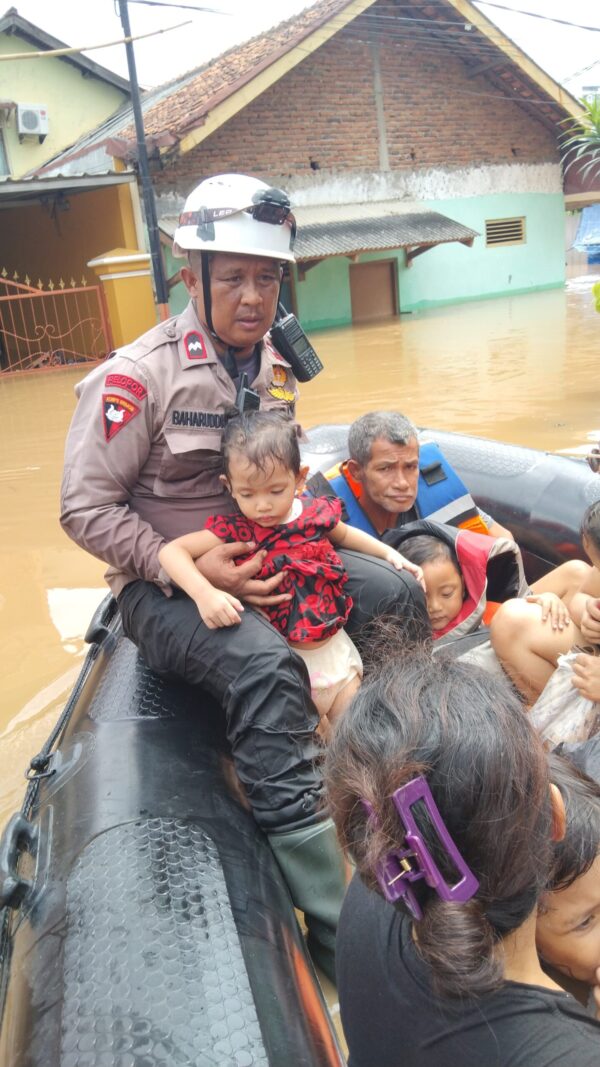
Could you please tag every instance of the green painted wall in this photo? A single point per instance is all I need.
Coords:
(178, 297)
(451, 273)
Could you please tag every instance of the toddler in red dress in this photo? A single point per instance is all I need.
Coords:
(265, 476)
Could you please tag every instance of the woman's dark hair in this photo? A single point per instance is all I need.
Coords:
(465, 730)
(590, 524)
(424, 548)
(575, 854)
(263, 438)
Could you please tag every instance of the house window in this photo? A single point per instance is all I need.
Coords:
(4, 167)
(504, 232)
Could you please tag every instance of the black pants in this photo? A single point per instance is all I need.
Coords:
(261, 683)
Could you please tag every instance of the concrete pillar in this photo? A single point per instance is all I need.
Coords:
(126, 280)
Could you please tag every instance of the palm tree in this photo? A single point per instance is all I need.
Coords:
(581, 139)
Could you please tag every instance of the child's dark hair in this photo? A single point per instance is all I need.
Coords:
(465, 730)
(590, 524)
(263, 438)
(575, 854)
(424, 548)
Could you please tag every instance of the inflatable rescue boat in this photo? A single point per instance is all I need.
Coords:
(144, 919)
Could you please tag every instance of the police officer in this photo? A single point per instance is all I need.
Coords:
(142, 466)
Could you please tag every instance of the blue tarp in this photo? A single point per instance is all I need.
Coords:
(588, 233)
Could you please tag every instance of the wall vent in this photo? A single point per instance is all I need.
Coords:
(504, 232)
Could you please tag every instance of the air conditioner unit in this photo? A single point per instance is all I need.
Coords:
(32, 119)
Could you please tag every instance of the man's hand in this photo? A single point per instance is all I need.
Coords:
(218, 566)
(586, 676)
(590, 621)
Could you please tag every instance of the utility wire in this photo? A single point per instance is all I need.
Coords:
(462, 23)
(503, 7)
(476, 46)
(184, 7)
(424, 33)
(583, 70)
(536, 15)
(497, 43)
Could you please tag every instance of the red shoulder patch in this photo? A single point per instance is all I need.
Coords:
(116, 413)
(130, 385)
(193, 343)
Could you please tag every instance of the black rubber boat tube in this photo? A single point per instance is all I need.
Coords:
(149, 921)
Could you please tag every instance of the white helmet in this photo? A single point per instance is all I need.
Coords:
(235, 213)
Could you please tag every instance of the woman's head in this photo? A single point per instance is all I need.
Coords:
(465, 732)
(590, 533)
(445, 588)
(568, 926)
(263, 470)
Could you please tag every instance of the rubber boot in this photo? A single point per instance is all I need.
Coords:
(312, 864)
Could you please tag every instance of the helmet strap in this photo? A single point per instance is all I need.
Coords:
(205, 268)
(230, 363)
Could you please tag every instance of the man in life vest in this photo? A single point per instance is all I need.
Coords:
(390, 479)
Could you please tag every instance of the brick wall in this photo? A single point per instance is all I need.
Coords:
(323, 112)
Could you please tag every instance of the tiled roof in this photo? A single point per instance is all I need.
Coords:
(375, 234)
(182, 103)
(185, 106)
(339, 237)
(31, 187)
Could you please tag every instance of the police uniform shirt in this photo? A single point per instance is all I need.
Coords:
(142, 460)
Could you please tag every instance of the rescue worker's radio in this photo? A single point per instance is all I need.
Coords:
(292, 343)
(246, 399)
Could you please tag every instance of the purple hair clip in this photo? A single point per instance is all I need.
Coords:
(414, 862)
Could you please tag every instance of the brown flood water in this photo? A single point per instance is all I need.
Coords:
(522, 370)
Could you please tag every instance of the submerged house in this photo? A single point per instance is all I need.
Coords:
(418, 143)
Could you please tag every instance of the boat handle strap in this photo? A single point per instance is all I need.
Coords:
(19, 835)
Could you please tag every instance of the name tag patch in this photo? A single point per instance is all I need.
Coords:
(116, 413)
(130, 385)
(194, 345)
(206, 420)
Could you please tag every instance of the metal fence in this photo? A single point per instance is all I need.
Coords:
(53, 327)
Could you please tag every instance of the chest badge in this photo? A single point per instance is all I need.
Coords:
(193, 342)
(279, 387)
(116, 413)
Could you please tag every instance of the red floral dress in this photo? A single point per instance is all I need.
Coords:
(313, 572)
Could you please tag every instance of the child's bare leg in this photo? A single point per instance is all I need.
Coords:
(343, 699)
(322, 702)
(324, 729)
(528, 648)
(565, 580)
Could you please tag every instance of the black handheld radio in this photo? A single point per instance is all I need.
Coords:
(292, 343)
(246, 399)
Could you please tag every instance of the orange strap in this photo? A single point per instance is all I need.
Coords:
(476, 524)
(490, 610)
